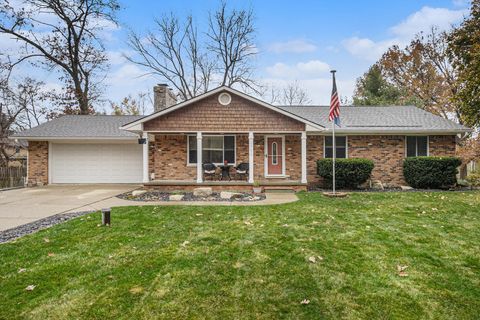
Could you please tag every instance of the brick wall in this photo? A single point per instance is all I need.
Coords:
(37, 163)
(442, 145)
(387, 153)
(168, 157)
(314, 153)
(209, 115)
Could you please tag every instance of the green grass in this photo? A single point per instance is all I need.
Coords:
(252, 262)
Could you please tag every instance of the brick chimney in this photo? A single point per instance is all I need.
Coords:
(163, 97)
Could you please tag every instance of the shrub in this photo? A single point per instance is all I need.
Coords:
(349, 173)
(474, 178)
(431, 172)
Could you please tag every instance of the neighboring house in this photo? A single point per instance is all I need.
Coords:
(16, 151)
(281, 144)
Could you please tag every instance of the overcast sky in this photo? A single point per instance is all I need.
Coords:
(296, 40)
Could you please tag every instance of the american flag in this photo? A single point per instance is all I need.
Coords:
(334, 114)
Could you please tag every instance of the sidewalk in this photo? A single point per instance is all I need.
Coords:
(271, 199)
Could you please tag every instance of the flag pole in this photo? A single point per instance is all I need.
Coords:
(333, 143)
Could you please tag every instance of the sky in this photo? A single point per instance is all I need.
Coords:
(296, 40)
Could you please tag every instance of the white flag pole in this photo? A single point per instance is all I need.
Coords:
(333, 141)
(334, 153)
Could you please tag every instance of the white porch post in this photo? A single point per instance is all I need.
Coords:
(304, 157)
(250, 157)
(145, 157)
(199, 158)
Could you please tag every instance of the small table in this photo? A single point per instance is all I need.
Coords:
(225, 172)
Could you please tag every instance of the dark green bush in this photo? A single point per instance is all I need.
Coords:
(349, 173)
(431, 172)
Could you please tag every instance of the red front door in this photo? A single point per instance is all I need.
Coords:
(274, 156)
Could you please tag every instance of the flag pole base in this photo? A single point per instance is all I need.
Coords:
(335, 195)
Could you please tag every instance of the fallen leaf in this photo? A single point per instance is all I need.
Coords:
(305, 301)
(403, 274)
(136, 290)
(312, 259)
(401, 268)
(21, 270)
(46, 240)
(30, 287)
(51, 254)
(320, 258)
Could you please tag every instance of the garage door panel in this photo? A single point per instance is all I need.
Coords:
(96, 163)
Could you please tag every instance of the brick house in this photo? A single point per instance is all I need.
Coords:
(278, 144)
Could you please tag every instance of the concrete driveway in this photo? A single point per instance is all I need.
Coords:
(22, 206)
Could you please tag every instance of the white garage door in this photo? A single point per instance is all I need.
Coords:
(96, 163)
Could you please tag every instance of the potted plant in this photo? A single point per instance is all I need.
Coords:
(256, 187)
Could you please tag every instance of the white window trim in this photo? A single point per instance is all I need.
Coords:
(265, 149)
(213, 135)
(416, 147)
(336, 136)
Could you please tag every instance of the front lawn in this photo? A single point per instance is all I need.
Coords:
(339, 256)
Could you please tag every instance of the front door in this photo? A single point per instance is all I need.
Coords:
(274, 156)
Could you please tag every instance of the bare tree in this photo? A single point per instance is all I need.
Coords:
(232, 40)
(293, 94)
(173, 52)
(20, 108)
(63, 35)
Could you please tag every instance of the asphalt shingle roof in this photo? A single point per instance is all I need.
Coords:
(353, 119)
(101, 126)
(377, 118)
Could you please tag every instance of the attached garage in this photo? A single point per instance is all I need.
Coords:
(85, 149)
(95, 163)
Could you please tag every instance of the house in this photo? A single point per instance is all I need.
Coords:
(281, 144)
(15, 150)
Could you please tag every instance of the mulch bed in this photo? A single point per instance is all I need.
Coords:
(20, 231)
(188, 196)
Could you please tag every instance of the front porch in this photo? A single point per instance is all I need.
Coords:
(175, 160)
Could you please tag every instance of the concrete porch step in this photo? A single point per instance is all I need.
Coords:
(278, 189)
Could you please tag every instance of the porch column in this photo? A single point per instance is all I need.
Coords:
(145, 157)
(199, 158)
(304, 157)
(250, 157)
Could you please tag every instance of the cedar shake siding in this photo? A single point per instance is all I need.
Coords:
(209, 116)
(37, 163)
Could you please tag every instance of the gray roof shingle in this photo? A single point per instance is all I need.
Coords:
(378, 118)
(78, 126)
(353, 119)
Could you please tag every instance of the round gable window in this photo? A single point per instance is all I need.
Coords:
(224, 99)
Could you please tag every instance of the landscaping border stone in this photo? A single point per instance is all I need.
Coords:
(32, 227)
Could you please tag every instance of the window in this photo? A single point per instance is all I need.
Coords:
(216, 149)
(340, 146)
(274, 154)
(417, 146)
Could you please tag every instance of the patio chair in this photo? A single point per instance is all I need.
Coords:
(209, 170)
(242, 171)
